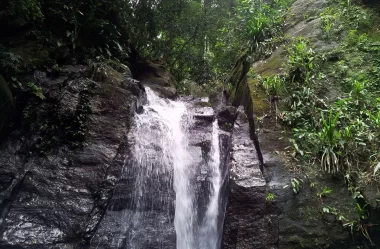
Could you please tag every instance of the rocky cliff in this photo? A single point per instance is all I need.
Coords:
(68, 177)
(267, 213)
(54, 193)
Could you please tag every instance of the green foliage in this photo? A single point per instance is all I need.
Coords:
(208, 38)
(77, 129)
(269, 197)
(260, 20)
(329, 19)
(300, 102)
(25, 12)
(341, 133)
(354, 15)
(296, 185)
(344, 15)
(36, 90)
(331, 210)
(330, 138)
(273, 85)
(10, 63)
(55, 127)
(199, 40)
(363, 211)
(354, 38)
(301, 108)
(357, 225)
(300, 62)
(324, 192)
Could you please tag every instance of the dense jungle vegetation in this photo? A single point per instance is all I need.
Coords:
(327, 100)
(197, 40)
(329, 97)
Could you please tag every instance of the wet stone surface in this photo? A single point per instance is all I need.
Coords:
(244, 226)
(57, 198)
(142, 210)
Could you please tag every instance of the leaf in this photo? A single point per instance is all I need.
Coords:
(40, 95)
(108, 52)
(376, 168)
(118, 46)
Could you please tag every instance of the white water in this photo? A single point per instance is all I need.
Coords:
(162, 155)
(210, 237)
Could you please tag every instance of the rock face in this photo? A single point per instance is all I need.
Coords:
(56, 198)
(150, 224)
(290, 220)
(246, 202)
(155, 76)
(67, 179)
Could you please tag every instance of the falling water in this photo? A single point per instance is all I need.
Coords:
(163, 161)
(210, 234)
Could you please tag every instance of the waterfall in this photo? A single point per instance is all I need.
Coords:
(163, 171)
(210, 237)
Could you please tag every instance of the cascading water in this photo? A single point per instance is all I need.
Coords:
(210, 234)
(167, 207)
(160, 151)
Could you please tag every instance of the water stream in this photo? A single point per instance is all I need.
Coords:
(210, 237)
(163, 160)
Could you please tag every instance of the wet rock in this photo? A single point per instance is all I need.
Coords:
(290, 221)
(157, 77)
(243, 225)
(56, 199)
(204, 116)
(141, 211)
(301, 222)
(226, 118)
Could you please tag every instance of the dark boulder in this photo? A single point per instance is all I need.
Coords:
(226, 118)
(155, 76)
(55, 193)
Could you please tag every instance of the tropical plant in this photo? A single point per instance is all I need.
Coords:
(273, 85)
(36, 90)
(270, 197)
(300, 63)
(25, 11)
(296, 185)
(328, 20)
(324, 192)
(330, 137)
